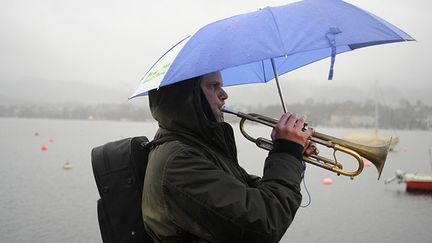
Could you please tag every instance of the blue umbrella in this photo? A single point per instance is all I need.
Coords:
(259, 46)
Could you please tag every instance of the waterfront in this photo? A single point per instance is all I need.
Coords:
(42, 202)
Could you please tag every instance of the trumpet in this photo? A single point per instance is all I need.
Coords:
(376, 155)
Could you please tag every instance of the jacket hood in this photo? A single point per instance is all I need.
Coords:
(181, 108)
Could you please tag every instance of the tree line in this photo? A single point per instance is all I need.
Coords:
(404, 115)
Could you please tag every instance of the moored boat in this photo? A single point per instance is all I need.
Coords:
(418, 182)
(413, 181)
(67, 165)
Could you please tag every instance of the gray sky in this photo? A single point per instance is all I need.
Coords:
(113, 42)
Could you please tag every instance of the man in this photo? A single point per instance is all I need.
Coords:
(195, 189)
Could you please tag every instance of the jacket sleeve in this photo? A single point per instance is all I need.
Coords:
(208, 202)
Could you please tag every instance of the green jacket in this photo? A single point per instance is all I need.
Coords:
(195, 189)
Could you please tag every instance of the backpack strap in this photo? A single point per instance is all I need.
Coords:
(182, 139)
(158, 141)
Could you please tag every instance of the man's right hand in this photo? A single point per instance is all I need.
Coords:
(290, 127)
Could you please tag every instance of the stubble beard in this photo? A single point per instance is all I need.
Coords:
(219, 116)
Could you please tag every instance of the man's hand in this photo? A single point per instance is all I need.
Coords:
(290, 127)
(310, 149)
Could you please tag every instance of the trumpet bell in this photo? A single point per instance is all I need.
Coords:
(377, 155)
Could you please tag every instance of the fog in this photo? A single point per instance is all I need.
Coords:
(110, 44)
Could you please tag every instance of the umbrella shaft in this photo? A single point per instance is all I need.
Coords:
(278, 85)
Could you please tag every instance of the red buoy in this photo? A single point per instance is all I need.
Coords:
(327, 181)
(44, 147)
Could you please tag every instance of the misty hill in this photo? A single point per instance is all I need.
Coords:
(327, 91)
(33, 90)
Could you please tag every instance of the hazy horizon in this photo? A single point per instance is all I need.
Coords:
(40, 92)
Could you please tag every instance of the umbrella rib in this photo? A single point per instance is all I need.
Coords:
(278, 31)
(163, 56)
(272, 60)
(379, 20)
(263, 70)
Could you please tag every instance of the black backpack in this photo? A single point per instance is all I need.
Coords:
(119, 168)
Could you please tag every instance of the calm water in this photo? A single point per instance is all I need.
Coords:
(42, 202)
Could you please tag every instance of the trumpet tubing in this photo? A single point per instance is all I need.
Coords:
(376, 155)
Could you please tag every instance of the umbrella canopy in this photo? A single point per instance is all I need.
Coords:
(258, 46)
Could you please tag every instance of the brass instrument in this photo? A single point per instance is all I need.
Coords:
(376, 155)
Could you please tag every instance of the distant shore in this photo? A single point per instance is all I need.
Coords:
(404, 116)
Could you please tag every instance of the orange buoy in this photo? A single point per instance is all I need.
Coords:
(44, 147)
(327, 181)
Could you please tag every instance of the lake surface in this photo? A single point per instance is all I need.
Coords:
(42, 202)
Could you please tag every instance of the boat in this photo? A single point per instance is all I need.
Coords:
(413, 181)
(374, 138)
(67, 165)
(418, 182)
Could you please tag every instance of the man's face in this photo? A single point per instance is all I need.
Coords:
(211, 85)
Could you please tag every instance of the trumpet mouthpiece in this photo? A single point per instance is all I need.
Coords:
(228, 109)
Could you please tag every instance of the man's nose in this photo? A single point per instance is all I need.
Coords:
(223, 95)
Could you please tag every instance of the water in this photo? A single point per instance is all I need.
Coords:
(42, 202)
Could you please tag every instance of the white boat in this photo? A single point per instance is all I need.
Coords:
(67, 165)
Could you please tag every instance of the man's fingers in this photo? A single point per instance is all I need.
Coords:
(299, 124)
(292, 127)
(314, 149)
(284, 118)
(309, 132)
(292, 121)
(311, 148)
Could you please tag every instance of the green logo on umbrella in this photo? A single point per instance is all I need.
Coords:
(154, 74)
